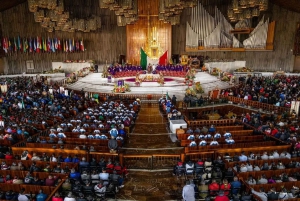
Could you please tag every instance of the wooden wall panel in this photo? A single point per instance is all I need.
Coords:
(104, 44)
(282, 56)
(138, 36)
(146, 7)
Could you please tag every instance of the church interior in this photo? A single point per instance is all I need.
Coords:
(147, 100)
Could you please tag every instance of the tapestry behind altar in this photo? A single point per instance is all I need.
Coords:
(149, 33)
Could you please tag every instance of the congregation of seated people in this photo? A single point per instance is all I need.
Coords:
(278, 90)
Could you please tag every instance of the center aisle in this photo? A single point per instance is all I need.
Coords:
(150, 136)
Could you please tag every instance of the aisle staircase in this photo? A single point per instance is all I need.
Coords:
(150, 177)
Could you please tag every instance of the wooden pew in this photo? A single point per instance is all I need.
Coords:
(284, 161)
(42, 164)
(228, 147)
(253, 149)
(241, 139)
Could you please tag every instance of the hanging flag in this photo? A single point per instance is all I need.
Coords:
(82, 45)
(59, 45)
(30, 45)
(25, 45)
(45, 44)
(73, 46)
(34, 44)
(144, 59)
(4, 46)
(53, 45)
(48, 45)
(64, 46)
(9, 45)
(67, 46)
(77, 45)
(70, 45)
(19, 43)
(15, 45)
(38, 44)
(163, 59)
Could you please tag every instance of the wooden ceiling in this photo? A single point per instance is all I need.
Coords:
(293, 5)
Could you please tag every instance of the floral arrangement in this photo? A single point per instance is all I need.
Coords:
(121, 89)
(243, 69)
(56, 70)
(215, 71)
(75, 61)
(198, 88)
(190, 77)
(190, 91)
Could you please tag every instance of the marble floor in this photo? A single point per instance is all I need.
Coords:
(174, 85)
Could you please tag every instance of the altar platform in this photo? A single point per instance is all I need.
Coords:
(173, 85)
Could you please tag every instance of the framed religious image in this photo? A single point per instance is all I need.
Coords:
(184, 59)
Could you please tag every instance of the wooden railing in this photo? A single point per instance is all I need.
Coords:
(258, 105)
(222, 122)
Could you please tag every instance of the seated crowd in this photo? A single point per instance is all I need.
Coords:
(278, 90)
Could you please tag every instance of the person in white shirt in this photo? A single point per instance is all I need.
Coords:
(193, 144)
(285, 155)
(249, 167)
(217, 135)
(243, 168)
(202, 143)
(283, 195)
(261, 194)
(70, 197)
(104, 176)
(53, 159)
(61, 135)
(22, 196)
(188, 192)
(265, 156)
(227, 134)
(191, 137)
(275, 154)
(82, 136)
(214, 143)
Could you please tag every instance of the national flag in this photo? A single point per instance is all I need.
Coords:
(163, 59)
(59, 45)
(70, 45)
(48, 45)
(30, 45)
(82, 45)
(53, 45)
(15, 45)
(77, 45)
(64, 46)
(45, 44)
(9, 45)
(34, 44)
(38, 44)
(144, 59)
(73, 46)
(19, 43)
(4, 46)
(67, 46)
(25, 45)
